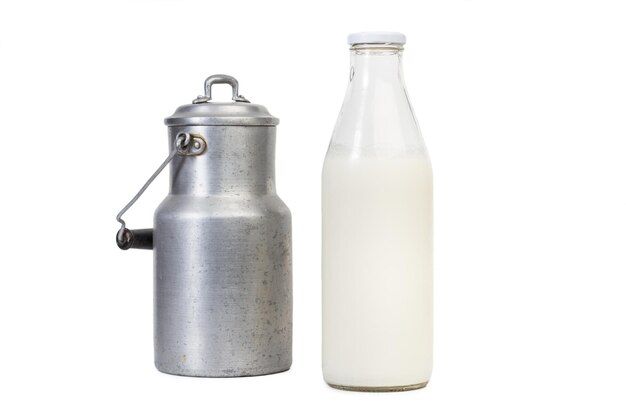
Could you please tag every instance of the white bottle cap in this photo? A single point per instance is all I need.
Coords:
(376, 37)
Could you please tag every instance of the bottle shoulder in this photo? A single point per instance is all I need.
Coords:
(375, 122)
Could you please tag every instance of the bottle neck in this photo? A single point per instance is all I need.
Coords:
(373, 65)
(376, 118)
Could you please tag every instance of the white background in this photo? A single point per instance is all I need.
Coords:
(523, 108)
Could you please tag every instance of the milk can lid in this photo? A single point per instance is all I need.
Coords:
(204, 112)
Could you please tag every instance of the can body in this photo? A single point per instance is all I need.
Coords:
(222, 259)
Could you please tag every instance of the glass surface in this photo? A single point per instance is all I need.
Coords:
(377, 233)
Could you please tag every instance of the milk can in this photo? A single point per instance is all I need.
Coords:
(222, 243)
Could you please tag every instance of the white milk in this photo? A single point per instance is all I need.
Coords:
(377, 271)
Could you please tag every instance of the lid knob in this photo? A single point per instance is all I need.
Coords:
(220, 79)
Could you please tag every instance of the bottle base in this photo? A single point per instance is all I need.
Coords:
(398, 388)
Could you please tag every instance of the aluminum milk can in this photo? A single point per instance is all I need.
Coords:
(222, 244)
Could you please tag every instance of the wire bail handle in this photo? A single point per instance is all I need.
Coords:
(186, 144)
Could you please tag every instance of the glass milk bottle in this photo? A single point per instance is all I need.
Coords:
(377, 230)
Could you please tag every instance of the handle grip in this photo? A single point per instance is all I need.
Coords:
(220, 79)
(187, 144)
(134, 239)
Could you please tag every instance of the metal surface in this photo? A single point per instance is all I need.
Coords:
(222, 257)
(221, 114)
(185, 145)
